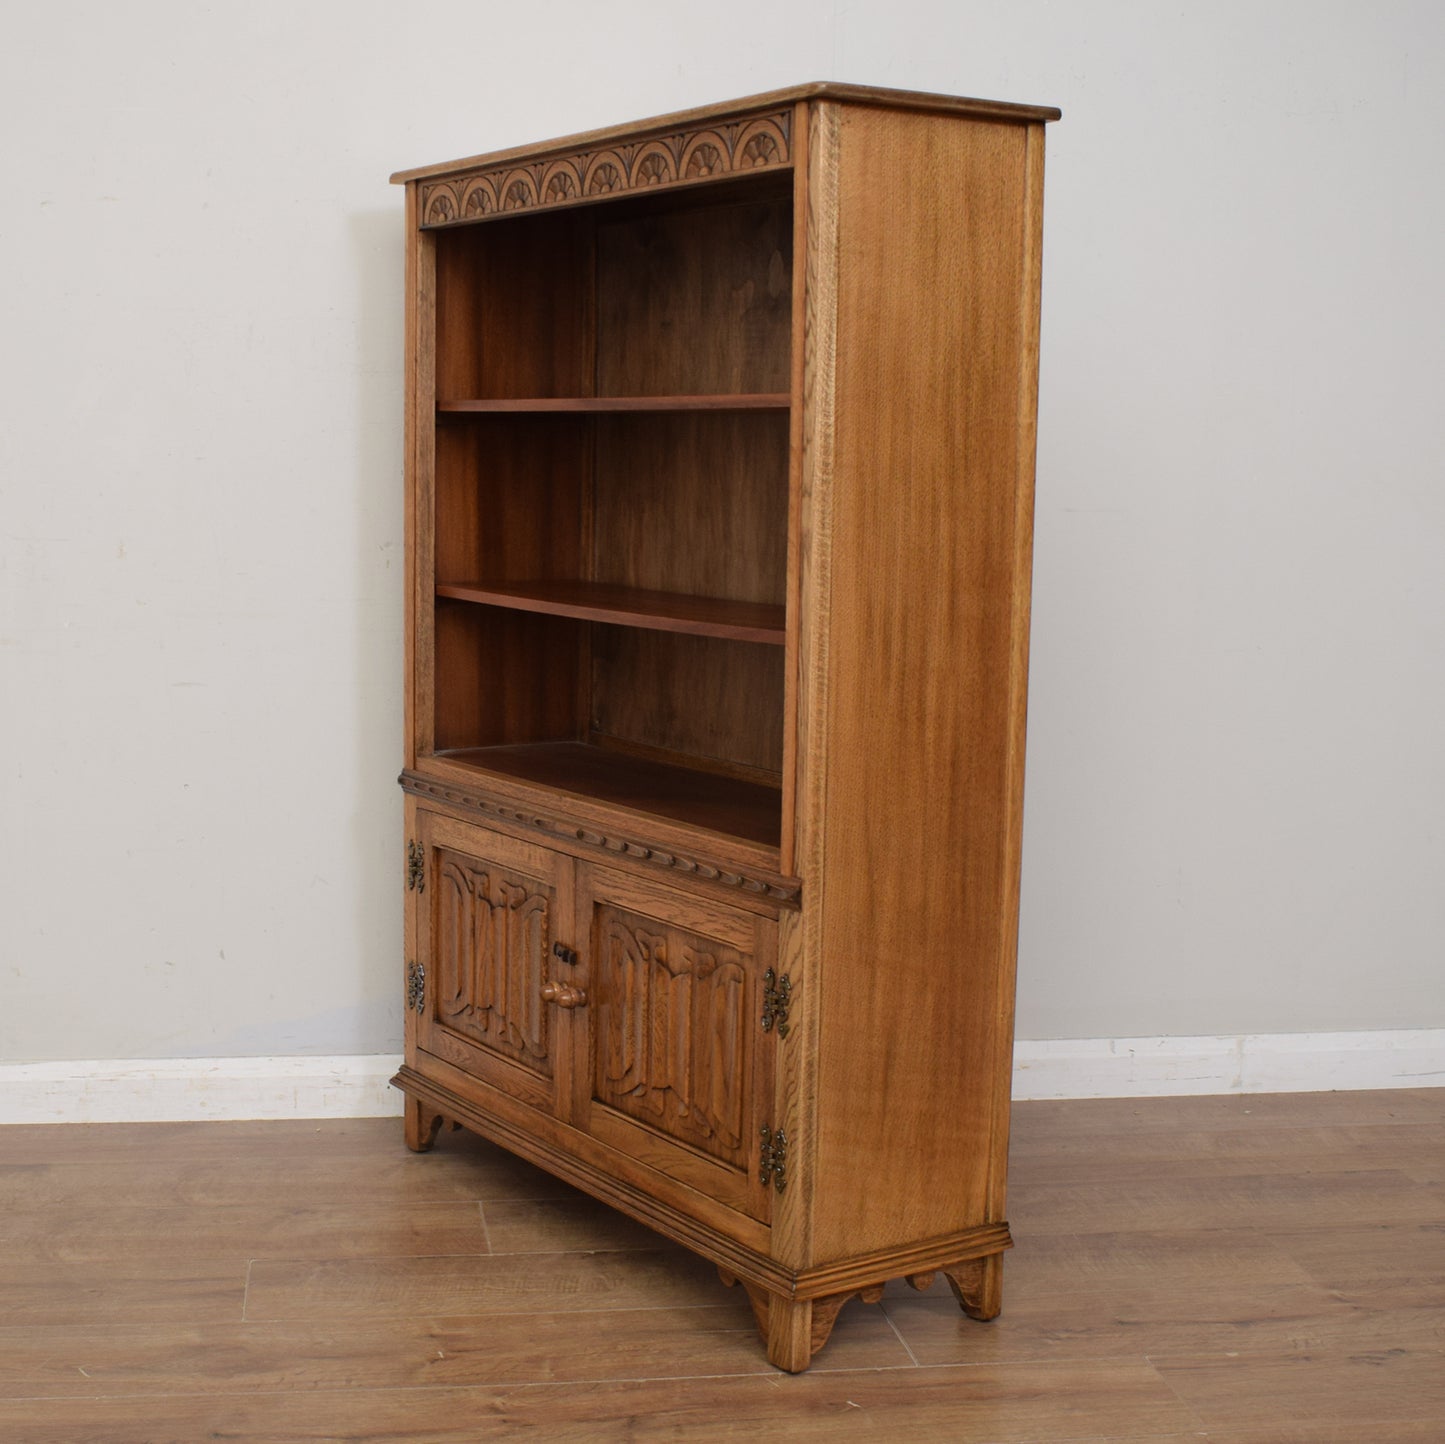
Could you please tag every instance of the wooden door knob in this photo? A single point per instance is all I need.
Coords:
(564, 995)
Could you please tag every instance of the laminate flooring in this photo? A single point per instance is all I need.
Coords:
(1237, 1269)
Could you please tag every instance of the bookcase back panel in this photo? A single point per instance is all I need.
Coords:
(719, 703)
(511, 497)
(696, 300)
(695, 502)
(505, 676)
(514, 308)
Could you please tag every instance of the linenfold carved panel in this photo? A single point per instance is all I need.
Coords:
(489, 953)
(673, 1035)
(758, 143)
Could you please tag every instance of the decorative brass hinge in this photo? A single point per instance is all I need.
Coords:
(773, 1159)
(416, 986)
(415, 867)
(777, 995)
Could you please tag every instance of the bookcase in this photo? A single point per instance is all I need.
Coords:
(720, 443)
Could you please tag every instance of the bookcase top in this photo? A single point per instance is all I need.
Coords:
(723, 111)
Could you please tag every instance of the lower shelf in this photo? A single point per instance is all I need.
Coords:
(729, 805)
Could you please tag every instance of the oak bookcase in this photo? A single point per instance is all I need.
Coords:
(720, 452)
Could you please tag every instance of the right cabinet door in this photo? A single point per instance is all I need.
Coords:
(680, 1069)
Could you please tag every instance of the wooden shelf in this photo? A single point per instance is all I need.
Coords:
(728, 805)
(631, 607)
(726, 401)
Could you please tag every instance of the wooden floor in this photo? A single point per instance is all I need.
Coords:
(1234, 1269)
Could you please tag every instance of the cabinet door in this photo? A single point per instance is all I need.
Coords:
(680, 1069)
(492, 910)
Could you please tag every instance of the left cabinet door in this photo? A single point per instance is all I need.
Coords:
(492, 916)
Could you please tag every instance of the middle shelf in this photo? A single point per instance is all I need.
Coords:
(724, 401)
(631, 607)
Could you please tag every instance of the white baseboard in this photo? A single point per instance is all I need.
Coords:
(1243, 1063)
(165, 1090)
(151, 1090)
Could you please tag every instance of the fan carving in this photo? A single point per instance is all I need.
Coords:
(678, 158)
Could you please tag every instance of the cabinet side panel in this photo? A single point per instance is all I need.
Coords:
(921, 724)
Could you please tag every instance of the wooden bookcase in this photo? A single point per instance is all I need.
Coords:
(720, 440)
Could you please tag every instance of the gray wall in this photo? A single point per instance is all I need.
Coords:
(1235, 772)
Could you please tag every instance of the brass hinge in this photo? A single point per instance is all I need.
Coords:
(777, 995)
(416, 986)
(415, 867)
(773, 1159)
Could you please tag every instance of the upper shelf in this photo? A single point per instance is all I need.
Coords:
(631, 607)
(727, 401)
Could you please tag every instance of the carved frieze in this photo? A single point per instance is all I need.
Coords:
(760, 142)
(784, 890)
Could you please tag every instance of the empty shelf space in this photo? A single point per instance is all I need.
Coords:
(726, 401)
(728, 805)
(631, 607)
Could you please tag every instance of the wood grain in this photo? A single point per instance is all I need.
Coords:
(228, 1233)
(703, 160)
(514, 309)
(816, 91)
(727, 401)
(1115, 1320)
(914, 760)
(1369, 1387)
(681, 1073)
(493, 909)
(881, 269)
(540, 656)
(719, 804)
(714, 703)
(631, 606)
(562, 1225)
(695, 300)
(125, 1289)
(1419, 1431)
(1000, 1403)
(1253, 1336)
(468, 1284)
(1324, 1197)
(1374, 1263)
(797, 379)
(694, 502)
(456, 1351)
(420, 485)
(416, 429)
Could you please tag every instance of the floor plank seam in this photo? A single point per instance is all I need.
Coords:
(495, 1315)
(761, 1370)
(1202, 1425)
(898, 1333)
(1282, 1279)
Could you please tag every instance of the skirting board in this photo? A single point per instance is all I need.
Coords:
(151, 1090)
(1245, 1063)
(169, 1090)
